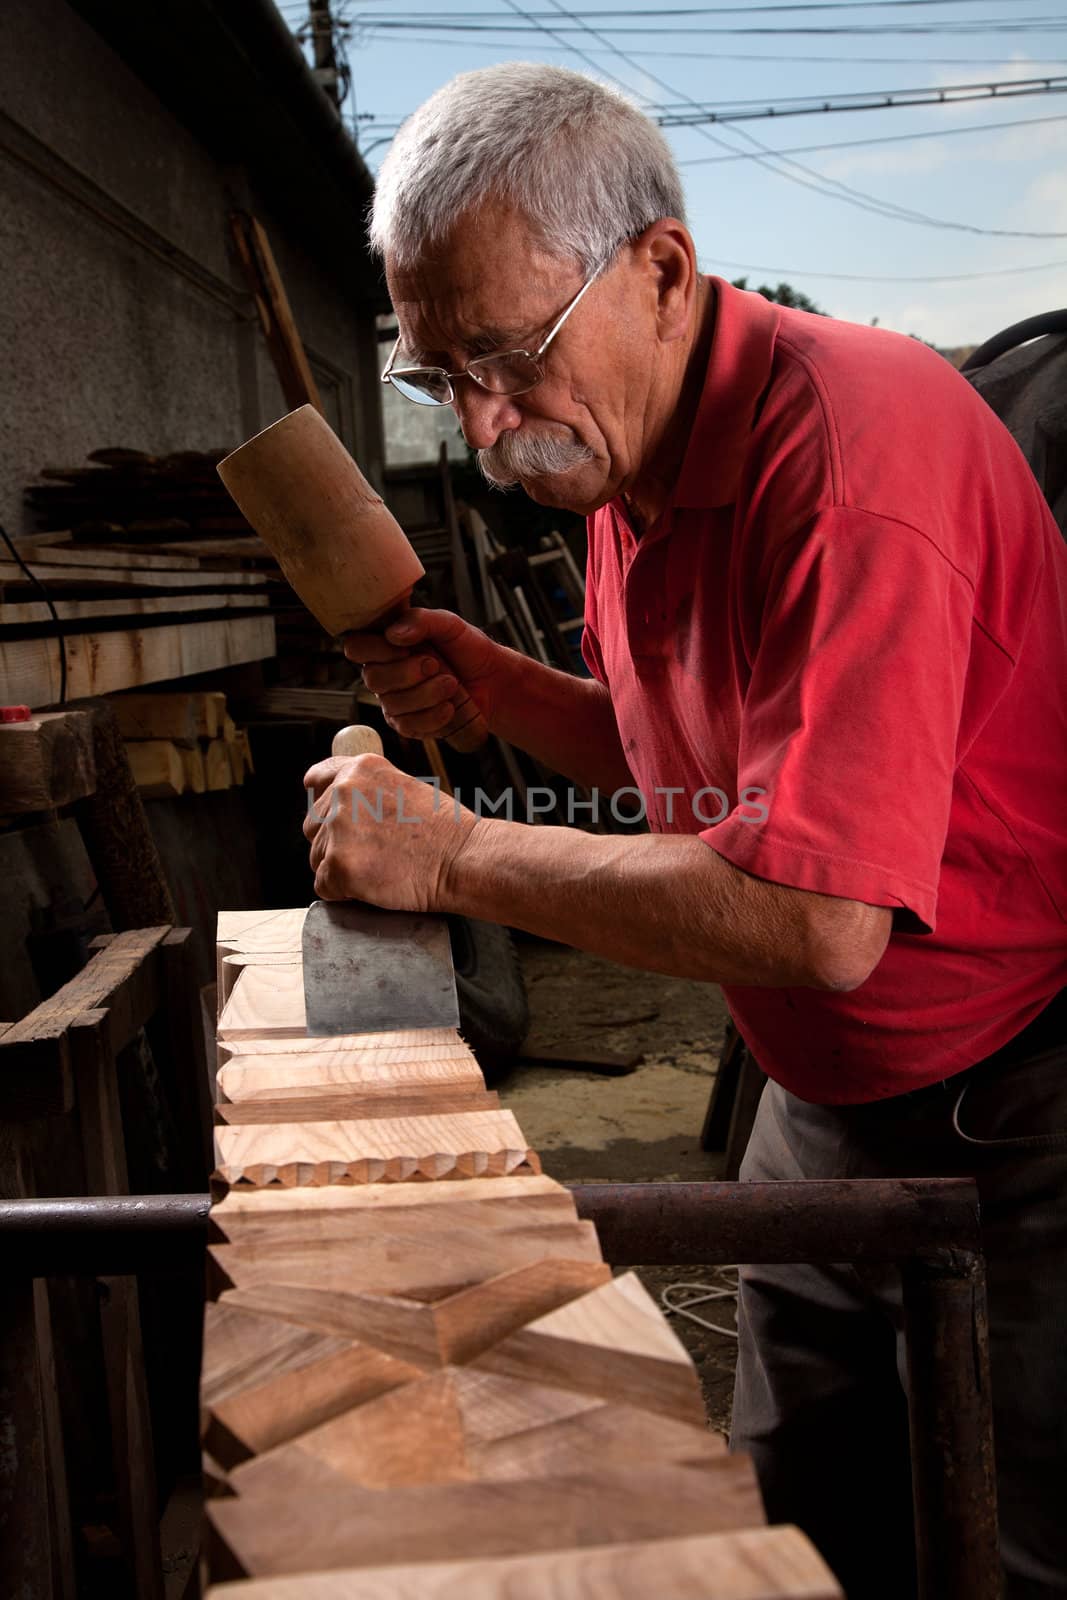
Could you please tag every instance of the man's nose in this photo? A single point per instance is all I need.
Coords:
(483, 416)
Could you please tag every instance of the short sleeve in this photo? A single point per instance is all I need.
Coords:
(851, 717)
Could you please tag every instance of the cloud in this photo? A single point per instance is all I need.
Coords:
(1045, 202)
(899, 158)
(1011, 144)
(949, 314)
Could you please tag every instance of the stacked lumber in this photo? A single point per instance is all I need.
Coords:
(420, 1379)
(138, 496)
(154, 517)
(182, 742)
(122, 617)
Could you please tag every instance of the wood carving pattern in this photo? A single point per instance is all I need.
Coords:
(414, 1352)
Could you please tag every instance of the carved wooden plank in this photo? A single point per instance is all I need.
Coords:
(395, 1150)
(338, 1103)
(284, 1077)
(311, 1508)
(753, 1564)
(399, 1368)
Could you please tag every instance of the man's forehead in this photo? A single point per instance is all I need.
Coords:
(480, 318)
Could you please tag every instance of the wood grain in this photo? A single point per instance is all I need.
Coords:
(100, 663)
(753, 1564)
(400, 1369)
(310, 1507)
(394, 1150)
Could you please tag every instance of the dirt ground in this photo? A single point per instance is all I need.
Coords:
(639, 1127)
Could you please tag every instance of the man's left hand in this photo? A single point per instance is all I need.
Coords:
(379, 835)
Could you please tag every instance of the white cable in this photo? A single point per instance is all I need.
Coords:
(699, 1294)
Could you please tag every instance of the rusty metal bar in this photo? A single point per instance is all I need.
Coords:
(928, 1227)
(103, 1235)
(862, 1219)
(950, 1417)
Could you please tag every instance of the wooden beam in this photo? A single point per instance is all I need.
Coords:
(46, 762)
(100, 663)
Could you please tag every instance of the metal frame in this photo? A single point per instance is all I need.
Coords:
(927, 1227)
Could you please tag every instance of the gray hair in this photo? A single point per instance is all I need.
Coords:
(576, 158)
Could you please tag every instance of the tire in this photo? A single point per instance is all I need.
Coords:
(494, 1016)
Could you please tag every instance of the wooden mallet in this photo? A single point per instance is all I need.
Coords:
(337, 543)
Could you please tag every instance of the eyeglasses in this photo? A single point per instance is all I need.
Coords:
(508, 372)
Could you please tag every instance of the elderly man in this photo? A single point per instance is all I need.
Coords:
(821, 581)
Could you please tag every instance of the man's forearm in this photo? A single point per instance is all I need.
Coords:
(667, 904)
(565, 722)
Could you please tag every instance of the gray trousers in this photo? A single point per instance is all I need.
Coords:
(819, 1400)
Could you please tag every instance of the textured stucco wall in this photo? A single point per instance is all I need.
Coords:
(123, 317)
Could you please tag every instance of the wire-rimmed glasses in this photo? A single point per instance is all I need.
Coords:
(506, 372)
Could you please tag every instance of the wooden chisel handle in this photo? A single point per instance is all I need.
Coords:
(357, 740)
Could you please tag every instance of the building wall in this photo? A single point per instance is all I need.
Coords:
(124, 319)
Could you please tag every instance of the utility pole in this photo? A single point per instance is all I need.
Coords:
(326, 69)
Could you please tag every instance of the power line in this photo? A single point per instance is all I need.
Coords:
(488, 22)
(831, 187)
(720, 55)
(896, 277)
(886, 138)
(765, 156)
(873, 100)
(745, 10)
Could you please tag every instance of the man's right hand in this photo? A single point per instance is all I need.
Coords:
(424, 663)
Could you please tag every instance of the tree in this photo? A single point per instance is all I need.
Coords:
(784, 295)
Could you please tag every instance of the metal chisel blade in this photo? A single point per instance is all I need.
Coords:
(372, 971)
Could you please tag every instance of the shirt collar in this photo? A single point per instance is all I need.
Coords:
(739, 367)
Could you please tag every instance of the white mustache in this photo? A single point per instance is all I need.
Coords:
(517, 455)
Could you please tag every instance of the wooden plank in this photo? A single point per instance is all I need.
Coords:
(613, 1342)
(94, 986)
(457, 1426)
(129, 575)
(348, 1221)
(99, 663)
(265, 1004)
(157, 767)
(469, 1144)
(104, 1151)
(53, 549)
(294, 1077)
(309, 1045)
(46, 762)
(183, 717)
(450, 1323)
(275, 314)
(26, 1557)
(311, 1508)
(274, 930)
(751, 1564)
(346, 1105)
(218, 770)
(30, 613)
(192, 759)
(314, 705)
(262, 1204)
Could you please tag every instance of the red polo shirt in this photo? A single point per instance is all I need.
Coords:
(850, 622)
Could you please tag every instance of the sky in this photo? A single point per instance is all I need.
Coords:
(996, 171)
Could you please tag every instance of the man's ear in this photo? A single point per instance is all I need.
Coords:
(667, 253)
